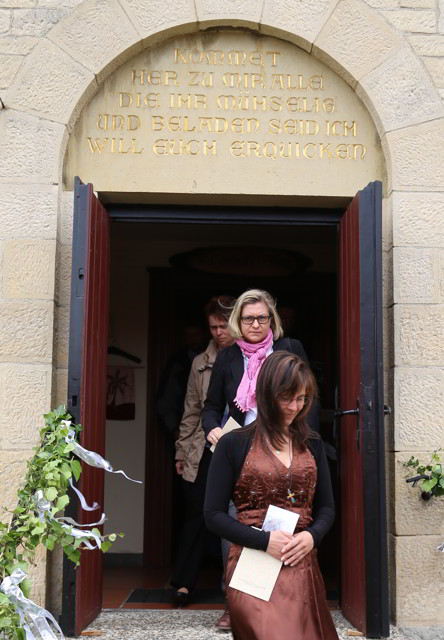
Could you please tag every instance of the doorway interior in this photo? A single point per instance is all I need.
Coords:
(162, 274)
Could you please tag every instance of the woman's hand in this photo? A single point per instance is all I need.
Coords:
(214, 435)
(179, 467)
(298, 547)
(277, 542)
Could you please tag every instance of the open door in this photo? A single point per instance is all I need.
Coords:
(364, 571)
(88, 343)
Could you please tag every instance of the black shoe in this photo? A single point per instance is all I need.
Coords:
(181, 598)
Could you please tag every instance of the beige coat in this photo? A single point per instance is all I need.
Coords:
(191, 441)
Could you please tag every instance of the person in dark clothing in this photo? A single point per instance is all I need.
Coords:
(278, 460)
(173, 381)
(256, 325)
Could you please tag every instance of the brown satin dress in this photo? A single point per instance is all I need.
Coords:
(297, 609)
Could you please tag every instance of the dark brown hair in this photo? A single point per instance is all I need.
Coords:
(282, 376)
(219, 306)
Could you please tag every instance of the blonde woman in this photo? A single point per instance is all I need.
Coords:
(256, 327)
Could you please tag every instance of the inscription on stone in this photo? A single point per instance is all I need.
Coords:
(186, 109)
(225, 112)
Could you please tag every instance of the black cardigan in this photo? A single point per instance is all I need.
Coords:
(226, 465)
(226, 376)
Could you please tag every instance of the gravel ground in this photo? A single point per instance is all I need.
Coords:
(176, 624)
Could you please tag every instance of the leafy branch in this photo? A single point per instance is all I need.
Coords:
(47, 479)
(430, 477)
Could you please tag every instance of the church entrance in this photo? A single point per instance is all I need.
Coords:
(165, 263)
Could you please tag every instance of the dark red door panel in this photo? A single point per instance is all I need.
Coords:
(364, 573)
(82, 592)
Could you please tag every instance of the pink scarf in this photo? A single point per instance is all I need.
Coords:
(256, 353)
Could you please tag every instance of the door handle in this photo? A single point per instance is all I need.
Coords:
(348, 412)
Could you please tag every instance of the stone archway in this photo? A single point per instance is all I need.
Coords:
(66, 67)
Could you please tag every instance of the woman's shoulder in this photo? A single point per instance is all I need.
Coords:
(288, 344)
(228, 353)
(236, 441)
(315, 445)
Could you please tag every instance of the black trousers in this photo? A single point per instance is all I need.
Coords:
(195, 539)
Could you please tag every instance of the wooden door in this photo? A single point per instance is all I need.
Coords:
(88, 343)
(364, 573)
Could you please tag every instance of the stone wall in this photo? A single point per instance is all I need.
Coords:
(53, 56)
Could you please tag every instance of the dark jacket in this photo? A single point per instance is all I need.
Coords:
(226, 465)
(226, 377)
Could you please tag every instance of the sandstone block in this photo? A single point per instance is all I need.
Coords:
(399, 93)
(26, 330)
(441, 17)
(61, 388)
(181, 14)
(387, 223)
(61, 336)
(52, 85)
(30, 148)
(418, 565)
(417, 157)
(416, 275)
(413, 515)
(37, 573)
(28, 211)
(303, 19)
(427, 45)
(99, 35)
(29, 267)
(17, 46)
(18, 4)
(9, 65)
(441, 274)
(387, 278)
(54, 571)
(435, 67)
(418, 335)
(383, 4)
(418, 219)
(12, 474)
(419, 404)
(355, 39)
(65, 217)
(389, 418)
(5, 20)
(417, 4)
(63, 275)
(388, 338)
(25, 395)
(211, 12)
(412, 21)
(35, 22)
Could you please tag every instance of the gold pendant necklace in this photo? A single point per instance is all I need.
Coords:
(290, 493)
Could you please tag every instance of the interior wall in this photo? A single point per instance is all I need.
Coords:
(125, 439)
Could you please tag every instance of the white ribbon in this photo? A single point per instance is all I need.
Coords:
(32, 617)
(42, 506)
(85, 506)
(90, 457)
(440, 547)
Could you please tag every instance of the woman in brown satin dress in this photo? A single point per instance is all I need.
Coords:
(276, 461)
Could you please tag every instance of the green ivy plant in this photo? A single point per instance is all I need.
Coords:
(49, 470)
(429, 477)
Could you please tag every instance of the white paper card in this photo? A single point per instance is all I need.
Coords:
(230, 425)
(278, 519)
(257, 571)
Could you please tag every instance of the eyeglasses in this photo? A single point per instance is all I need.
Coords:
(251, 319)
(301, 400)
